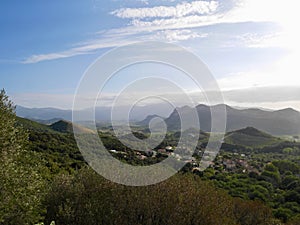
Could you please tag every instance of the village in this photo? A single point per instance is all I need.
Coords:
(224, 161)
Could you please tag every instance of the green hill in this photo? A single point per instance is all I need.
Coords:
(32, 125)
(64, 126)
(250, 137)
(61, 126)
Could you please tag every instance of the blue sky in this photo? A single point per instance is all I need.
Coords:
(46, 46)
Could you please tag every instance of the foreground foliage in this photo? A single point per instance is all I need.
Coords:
(20, 181)
(88, 198)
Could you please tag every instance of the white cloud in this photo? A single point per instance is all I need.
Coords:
(193, 21)
(180, 10)
(115, 38)
(254, 40)
(178, 35)
(51, 56)
(87, 48)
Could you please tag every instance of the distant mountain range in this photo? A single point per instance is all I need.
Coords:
(279, 122)
(102, 114)
(43, 114)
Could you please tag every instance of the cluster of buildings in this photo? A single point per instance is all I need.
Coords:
(229, 162)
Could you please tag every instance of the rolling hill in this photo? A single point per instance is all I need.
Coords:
(61, 126)
(32, 125)
(250, 137)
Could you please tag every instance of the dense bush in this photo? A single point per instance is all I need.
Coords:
(183, 199)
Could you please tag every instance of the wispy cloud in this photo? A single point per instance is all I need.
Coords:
(138, 30)
(192, 21)
(180, 22)
(178, 35)
(87, 48)
(180, 10)
(256, 40)
(115, 38)
(52, 56)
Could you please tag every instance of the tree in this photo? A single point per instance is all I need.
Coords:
(11, 138)
(271, 174)
(251, 212)
(20, 184)
(283, 214)
(285, 166)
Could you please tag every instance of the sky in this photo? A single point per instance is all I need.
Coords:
(250, 46)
